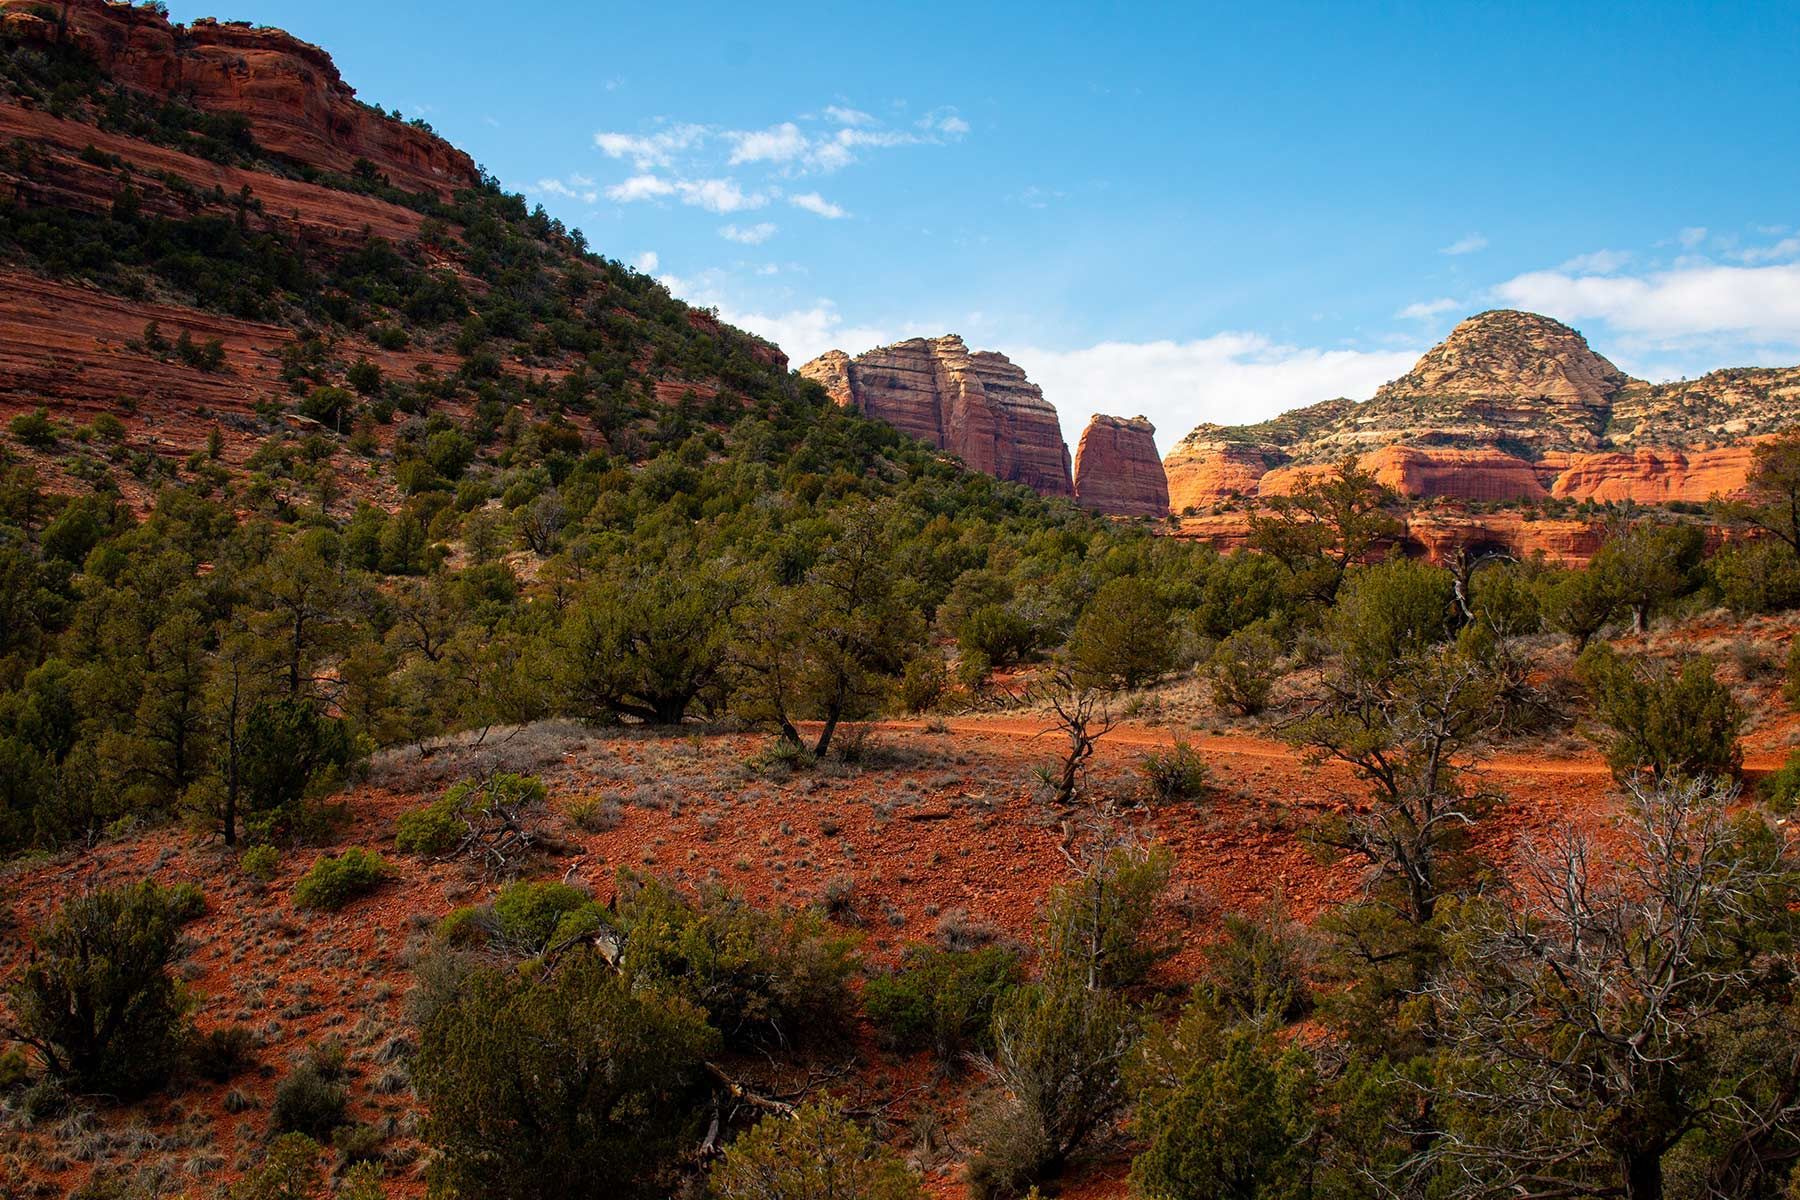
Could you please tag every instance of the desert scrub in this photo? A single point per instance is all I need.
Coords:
(594, 815)
(941, 1000)
(1178, 773)
(335, 881)
(260, 863)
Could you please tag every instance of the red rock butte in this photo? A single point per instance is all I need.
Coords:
(976, 405)
(1117, 470)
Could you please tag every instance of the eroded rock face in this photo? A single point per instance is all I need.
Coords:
(1511, 406)
(297, 104)
(977, 405)
(1117, 470)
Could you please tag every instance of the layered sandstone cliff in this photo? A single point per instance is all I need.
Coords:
(1117, 470)
(977, 405)
(298, 106)
(1511, 406)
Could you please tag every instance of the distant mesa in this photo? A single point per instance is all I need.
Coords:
(1510, 406)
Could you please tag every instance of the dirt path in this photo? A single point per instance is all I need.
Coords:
(1242, 745)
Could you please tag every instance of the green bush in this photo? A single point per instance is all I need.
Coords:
(941, 1000)
(1178, 773)
(430, 831)
(260, 863)
(1757, 577)
(817, 1154)
(1661, 722)
(222, 1053)
(35, 429)
(1258, 969)
(1243, 670)
(1098, 927)
(1390, 613)
(1223, 1113)
(576, 1085)
(1057, 1081)
(312, 1099)
(997, 635)
(760, 977)
(1781, 790)
(97, 1000)
(924, 681)
(534, 915)
(1125, 637)
(335, 881)
(292, 1170)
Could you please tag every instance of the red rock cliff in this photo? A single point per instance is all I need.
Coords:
(1117, 470)
(977, 405)
(297, 104)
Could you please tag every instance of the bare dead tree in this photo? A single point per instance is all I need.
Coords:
(1082, 714)
(1587, 1017)
(500, 816)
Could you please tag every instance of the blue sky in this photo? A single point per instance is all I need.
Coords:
(1196, 212)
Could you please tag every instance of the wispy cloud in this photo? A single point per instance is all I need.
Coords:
(748, 235)
(640, 187)
(658, 149)
(1426, 310)
(647, 262)
(1467, 244)
(578, 187)
(818, 205)
(1599, 262)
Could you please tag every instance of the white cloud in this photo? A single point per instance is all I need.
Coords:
(944, 121)
(640, 187)
(778, 144)
(847, 116)
(1686, 302)
(818, 205)
(568, 191)
(1229, 378)
(749, 235)
(647, 262)
(718, 195)
(1467, 244)
(1786, 248)
(647, 151)
(1425, 310)
(1600, 262)
(1692, 236)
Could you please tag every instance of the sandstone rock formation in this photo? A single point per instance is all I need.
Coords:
(977, 405)
(1117, 470)
(297, 104)
(1511, 406)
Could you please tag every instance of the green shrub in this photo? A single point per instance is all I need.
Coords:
(1125, 637)
(97, 1000)
(292, 1170)
(311, 1099)
(1243, 670)
(941, 1000)
(1257, 969)
(1098, 927)
(596, 815)
(432, 830)
(35, 429)
(1223, 1113)
(1757, 577)
(922, 684)
(1390, 613)
(1178, 773)
(1056, 1081)
(334, 881)
(1781, 790)
(222, 1053)
(817, 1154)
(1661, 722)
(260, 863)
(760, 977)
(534, 915)
(997, 635)
(328, 405)
(576, 1085)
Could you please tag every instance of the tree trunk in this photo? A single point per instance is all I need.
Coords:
(831, 724)
(1643, 1171)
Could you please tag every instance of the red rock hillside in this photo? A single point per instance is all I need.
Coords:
(298, 107)
(1117, 470)
(1511, 406)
